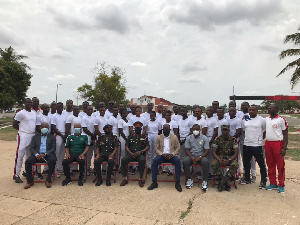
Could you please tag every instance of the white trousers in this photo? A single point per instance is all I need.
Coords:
(60, 152)
(151, 152)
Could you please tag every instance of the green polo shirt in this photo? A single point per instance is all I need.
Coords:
(77, 144)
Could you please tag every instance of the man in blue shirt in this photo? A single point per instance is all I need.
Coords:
(42, 149)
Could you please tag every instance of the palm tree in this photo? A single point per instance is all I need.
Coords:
(9, 55)
(294, 38)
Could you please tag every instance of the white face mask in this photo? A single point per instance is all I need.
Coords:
(196, 132)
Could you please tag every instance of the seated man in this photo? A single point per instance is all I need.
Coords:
(197, 148)
(76, 149)
(167, 149)
(107, 146)
(225, 152)
(136, 146)
(42, 149)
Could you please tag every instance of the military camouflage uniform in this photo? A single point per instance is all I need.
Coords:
(225, 151)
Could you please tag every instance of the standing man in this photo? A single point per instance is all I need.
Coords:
(137, 118)
(221, 120)
(45, 117)
(69, 108)
(235, 124)
(97, 113)
(100, 122)
(132, 108)
(72, 120)
(200, 120)
(113, 121)
(42, 149)
(225, 151)
(275, 147)
(109, 111)
(239, 114)
(124, 132)
(254, 128)
(85, 104)
(184, 130)
(176, 116)
(159, 112)
(146, 115)
(136, 146)
(197, 148)
(35, 106)
(77, 147)
(215, 106)
(167, 149)
(107, 146)
(25, 122)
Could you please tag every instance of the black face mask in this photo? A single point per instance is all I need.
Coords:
(166, 132)
(107, 132)
(137, 130)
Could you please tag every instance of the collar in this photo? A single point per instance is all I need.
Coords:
(277, 116)
(167, 137)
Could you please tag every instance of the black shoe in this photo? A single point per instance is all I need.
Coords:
(39, 176)
(152, 186)
(103, 171)
(227, 186)
(262, 185)
(244, 181)
(108, 183)
(220, 186)
(45, 172)
(17, 179)
(133, 171)
(178, 186)
(148, 171)
(24, 174)
(80, 182)
(99, 182)
(210, 177)
(66, 182)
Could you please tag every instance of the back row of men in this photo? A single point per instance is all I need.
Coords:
(245, 128)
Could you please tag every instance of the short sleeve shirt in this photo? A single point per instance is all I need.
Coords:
(113, 121)
(100, 121)
(88, 122)
(254, 128)
(107, 146)
(137, 143)
(225, 147)
(28, 121)
(76, 144)
(220, 123)
(184, 128)
(234, 124)
(202, 123)
(274, 128)
(153, 127)
(173, 124)
(197, 145)
(124, 125)
(212, 123)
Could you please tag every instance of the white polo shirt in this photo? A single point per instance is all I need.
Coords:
(254, 131)
(113, 121)
(220, 123)
(124, 125)
(173, 124)
(212, 123)
(153, 127)
(234, 124)
(28, 121)
(88, 122)
(202, 123)
(176, 117)
(45, 119)
(59, 120)
(184, 128)
(73, 120)
(134, 119)
(274, 128)
(100, 121)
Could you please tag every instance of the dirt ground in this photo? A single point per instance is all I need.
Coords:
(134, 205)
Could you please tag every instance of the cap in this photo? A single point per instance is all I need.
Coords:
(138, 124)
(225, 127)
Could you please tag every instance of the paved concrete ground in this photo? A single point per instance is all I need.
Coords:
(134, 205)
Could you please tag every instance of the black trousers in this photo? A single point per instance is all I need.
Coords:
(257, 152)
(73, 158)
(51, 161)
(97, 165)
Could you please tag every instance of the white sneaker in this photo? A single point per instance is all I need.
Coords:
(204, 186)
(189, 184)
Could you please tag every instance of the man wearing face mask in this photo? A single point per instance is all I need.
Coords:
(137, 145)
(76, 149)
(167, 149)
(197, 148)
(42, 149)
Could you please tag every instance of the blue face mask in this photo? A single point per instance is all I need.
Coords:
(44, 130)
(77, 130)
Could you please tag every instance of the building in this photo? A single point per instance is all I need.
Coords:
(145, 99)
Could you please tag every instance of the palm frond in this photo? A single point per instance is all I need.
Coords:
(295, 77)
(295, 38)
(289, 52)
(289, 66)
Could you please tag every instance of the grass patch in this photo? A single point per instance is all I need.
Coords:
(8, 134)
(292, 115)
(294, 154)
(185, 213)
(6, 119)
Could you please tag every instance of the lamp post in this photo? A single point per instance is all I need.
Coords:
(56, 92)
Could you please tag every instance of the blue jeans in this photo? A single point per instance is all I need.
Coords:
(159, 159)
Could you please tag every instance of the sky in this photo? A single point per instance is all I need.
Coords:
(186, 51)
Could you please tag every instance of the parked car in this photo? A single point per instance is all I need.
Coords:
(9, 111)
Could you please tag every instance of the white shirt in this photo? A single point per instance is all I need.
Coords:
(212, 123)
(167, 145)
(107, 114)
(88, 122)
(193, 118)
(82, 114)
(184, 128)
(73, 120)
(45, 119)
(176, 117)
(274, 128)
(124, 125)
(100, 121)
(67, 113)
(113, 121)
(234, 124)
(173, 124)
(95, 114)
(158, 116)
(241, 115)
(220, 123)
(202, 123)
(146, 115)
(254, 131)
(134, 119)
(129, 116)
(237, 115)
(28, 121)
(153, 127)
(59, 120)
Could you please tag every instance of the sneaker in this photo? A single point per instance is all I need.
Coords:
(262, 185)
(57, 175)
(204, 186)
(244, 181)
(108, 183)
(24, 174)
(39, 176)
(152, 186)
(66, 182)
(189, 183)
(281, 189)
(178, 186)
(80, 182)
(133, 171)
(253, 179)
(17, 179)
(271, 187)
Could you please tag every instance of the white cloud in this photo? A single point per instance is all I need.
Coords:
(250, 92)
(140, 64)
(147, 81)
(61, 77)
(191, 79)
(171, 92)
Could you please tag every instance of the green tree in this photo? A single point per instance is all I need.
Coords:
(295, 39)
(14, 78)
(282, 105)
(109, 84)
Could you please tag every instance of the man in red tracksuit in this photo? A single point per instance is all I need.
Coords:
(275, 148)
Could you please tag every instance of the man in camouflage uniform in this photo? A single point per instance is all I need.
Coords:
(107, 146)
(136, 146)
(225, 152)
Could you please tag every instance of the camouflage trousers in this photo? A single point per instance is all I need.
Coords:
(233, 165)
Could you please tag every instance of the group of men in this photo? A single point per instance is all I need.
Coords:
(215, 141)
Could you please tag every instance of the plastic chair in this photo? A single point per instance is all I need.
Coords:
(167, 164)
(137, 163)
(85, 172)
(39, 164)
